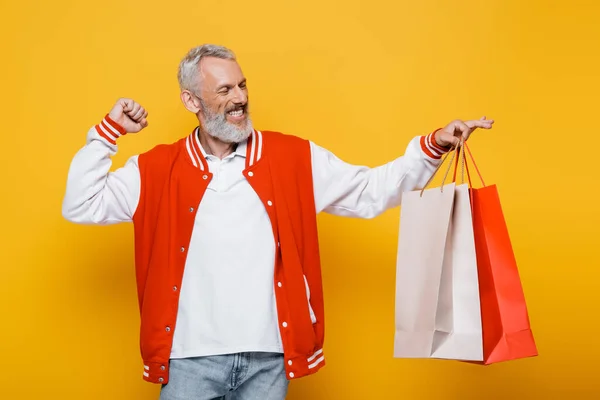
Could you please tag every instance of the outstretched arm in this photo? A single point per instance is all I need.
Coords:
(358, 191)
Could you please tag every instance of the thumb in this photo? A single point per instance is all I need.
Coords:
(126, 104)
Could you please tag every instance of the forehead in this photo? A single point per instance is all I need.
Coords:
(217, 71)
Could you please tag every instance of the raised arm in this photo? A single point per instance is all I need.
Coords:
(94, 195)
(358, 191)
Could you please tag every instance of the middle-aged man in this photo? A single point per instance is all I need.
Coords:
(226, 248)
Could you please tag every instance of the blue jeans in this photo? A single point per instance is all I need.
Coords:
(243, 376)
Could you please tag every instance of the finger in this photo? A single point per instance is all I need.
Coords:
(144, 122)
(138, 115)
(134, 110)
(126, 104)
(464, 129)
(449, 138)
(461, 126)
(474, 124)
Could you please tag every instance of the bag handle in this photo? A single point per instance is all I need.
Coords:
(461, 158)
(474, 164)
(455, 168)
(452, 150)
(465, 165)
(460, 150)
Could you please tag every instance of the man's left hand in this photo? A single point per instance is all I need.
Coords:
(450, 135)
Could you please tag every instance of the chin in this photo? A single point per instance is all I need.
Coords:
(233, 133)
(221, 128)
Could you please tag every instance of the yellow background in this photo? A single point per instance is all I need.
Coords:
(358, 77)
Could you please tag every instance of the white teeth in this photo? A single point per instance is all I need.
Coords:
(237, 113)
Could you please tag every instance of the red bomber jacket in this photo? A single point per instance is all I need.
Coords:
(173, 180)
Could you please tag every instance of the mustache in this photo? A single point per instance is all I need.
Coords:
(243, 107)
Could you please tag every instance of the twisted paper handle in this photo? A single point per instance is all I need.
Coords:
(460, 149)
(474, 164)
(453, 152)
(465, 166)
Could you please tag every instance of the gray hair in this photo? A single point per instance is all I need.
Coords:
(189, 65)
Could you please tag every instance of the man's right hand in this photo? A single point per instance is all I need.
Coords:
(130, 115)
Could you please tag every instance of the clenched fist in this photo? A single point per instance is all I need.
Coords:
(130, 115)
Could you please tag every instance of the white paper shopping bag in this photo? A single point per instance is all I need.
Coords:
(458, 333)
(437, 294)
(424, 227)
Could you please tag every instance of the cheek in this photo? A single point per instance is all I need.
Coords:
(215, 103)
(215, 109)
(222, 106)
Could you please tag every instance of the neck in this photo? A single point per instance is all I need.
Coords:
(214, 146)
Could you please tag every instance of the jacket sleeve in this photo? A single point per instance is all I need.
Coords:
(358, 191)
(94, 195)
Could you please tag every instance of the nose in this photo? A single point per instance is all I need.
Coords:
(240, 96)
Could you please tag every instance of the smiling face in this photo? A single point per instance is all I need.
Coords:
(221, 102)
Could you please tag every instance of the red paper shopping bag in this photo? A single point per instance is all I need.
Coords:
(505, 321)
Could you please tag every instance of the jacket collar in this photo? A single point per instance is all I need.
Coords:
(252, 149)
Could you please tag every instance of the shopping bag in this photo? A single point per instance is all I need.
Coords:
(437, 311)
(507, 333)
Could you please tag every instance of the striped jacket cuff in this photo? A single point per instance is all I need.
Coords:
(110, 130)
(431, 148)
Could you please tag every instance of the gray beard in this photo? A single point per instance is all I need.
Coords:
(216, 125)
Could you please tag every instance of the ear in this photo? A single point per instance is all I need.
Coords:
(191, 102)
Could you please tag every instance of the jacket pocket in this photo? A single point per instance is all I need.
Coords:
(313, 318)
